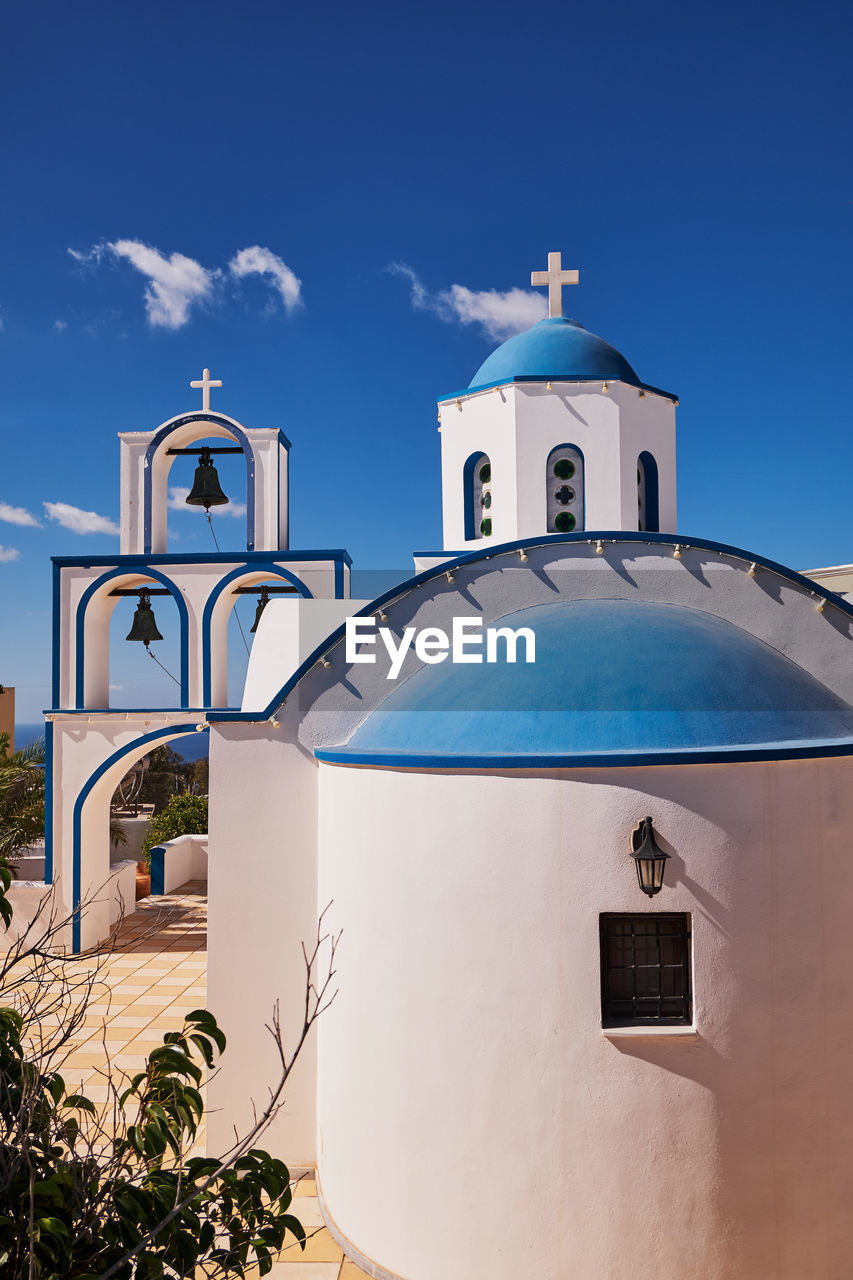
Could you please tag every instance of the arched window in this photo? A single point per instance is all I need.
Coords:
(564, 479)
(478, 497)
(648, 513)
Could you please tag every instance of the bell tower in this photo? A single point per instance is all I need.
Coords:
(555, 434)
(299, 596)
(147, 458)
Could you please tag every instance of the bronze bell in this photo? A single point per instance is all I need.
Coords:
(206, 491)
(144, 626)
(262, 604)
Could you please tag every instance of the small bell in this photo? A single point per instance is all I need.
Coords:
(206, 490)
(144, 626)
(262, 604)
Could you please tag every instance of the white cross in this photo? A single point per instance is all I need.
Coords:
(206, 383)
(555, 278)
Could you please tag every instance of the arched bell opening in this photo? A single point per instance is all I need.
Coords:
(207, 480)
(229, 625)
(145, 647)
(176, 469)
(94, 852)
(102, 630)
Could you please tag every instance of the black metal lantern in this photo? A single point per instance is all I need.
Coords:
(649, 857)
(144, 625)
(206, 491)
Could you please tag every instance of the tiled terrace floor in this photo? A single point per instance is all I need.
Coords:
(155, 976)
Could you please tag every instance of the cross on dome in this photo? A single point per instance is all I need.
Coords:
(554, 278)
(205, 383)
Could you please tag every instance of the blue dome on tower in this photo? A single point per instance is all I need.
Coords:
(556, 348)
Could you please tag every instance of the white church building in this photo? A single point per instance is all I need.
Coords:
(595, 1006)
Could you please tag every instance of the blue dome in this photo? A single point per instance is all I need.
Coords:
(555, 348)
(613, 681)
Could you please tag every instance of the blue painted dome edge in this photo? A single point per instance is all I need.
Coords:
(604, 685)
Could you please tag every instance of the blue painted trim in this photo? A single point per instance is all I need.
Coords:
(273, 570)
(491, 553)
(283, 440)
(650, 477)
(550, 477)
(121, 712)
(56, 632)
(158, 871)
(80, 629)
(601, 760)
(173, 731)
(339, 580)
(163, 434)
(507, 382)
(208, 557)
(48, 802)
(471, 463)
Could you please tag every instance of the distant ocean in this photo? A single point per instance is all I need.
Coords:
(191, 746)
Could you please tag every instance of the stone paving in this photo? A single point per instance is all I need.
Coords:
(155, 976)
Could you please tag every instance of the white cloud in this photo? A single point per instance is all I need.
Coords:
(420, 299)
(177, 498)
(79, 521)
(60, 325)
(233, 509)
(500, 315)
(7, 554)
(257, 261)
(177, 501)
(88, 257)
(174, 284)
(18, 515)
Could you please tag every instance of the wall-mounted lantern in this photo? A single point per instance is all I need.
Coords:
(649, 857)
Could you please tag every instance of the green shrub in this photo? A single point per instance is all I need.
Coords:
(184, 815)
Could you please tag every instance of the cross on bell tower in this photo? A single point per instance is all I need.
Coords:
(205, 382)
(555, 278)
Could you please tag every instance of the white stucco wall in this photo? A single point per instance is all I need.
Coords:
(473, 1117)
(289, 630)
(177, 861)
(262, 905)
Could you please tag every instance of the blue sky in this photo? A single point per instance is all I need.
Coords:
(693, 163)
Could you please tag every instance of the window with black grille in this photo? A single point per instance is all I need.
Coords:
(645, 969)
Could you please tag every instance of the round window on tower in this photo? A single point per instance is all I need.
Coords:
(564, 495)
(486, 528)
(486, 499)
(564, 468)
(564, 522)
(485, 473)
